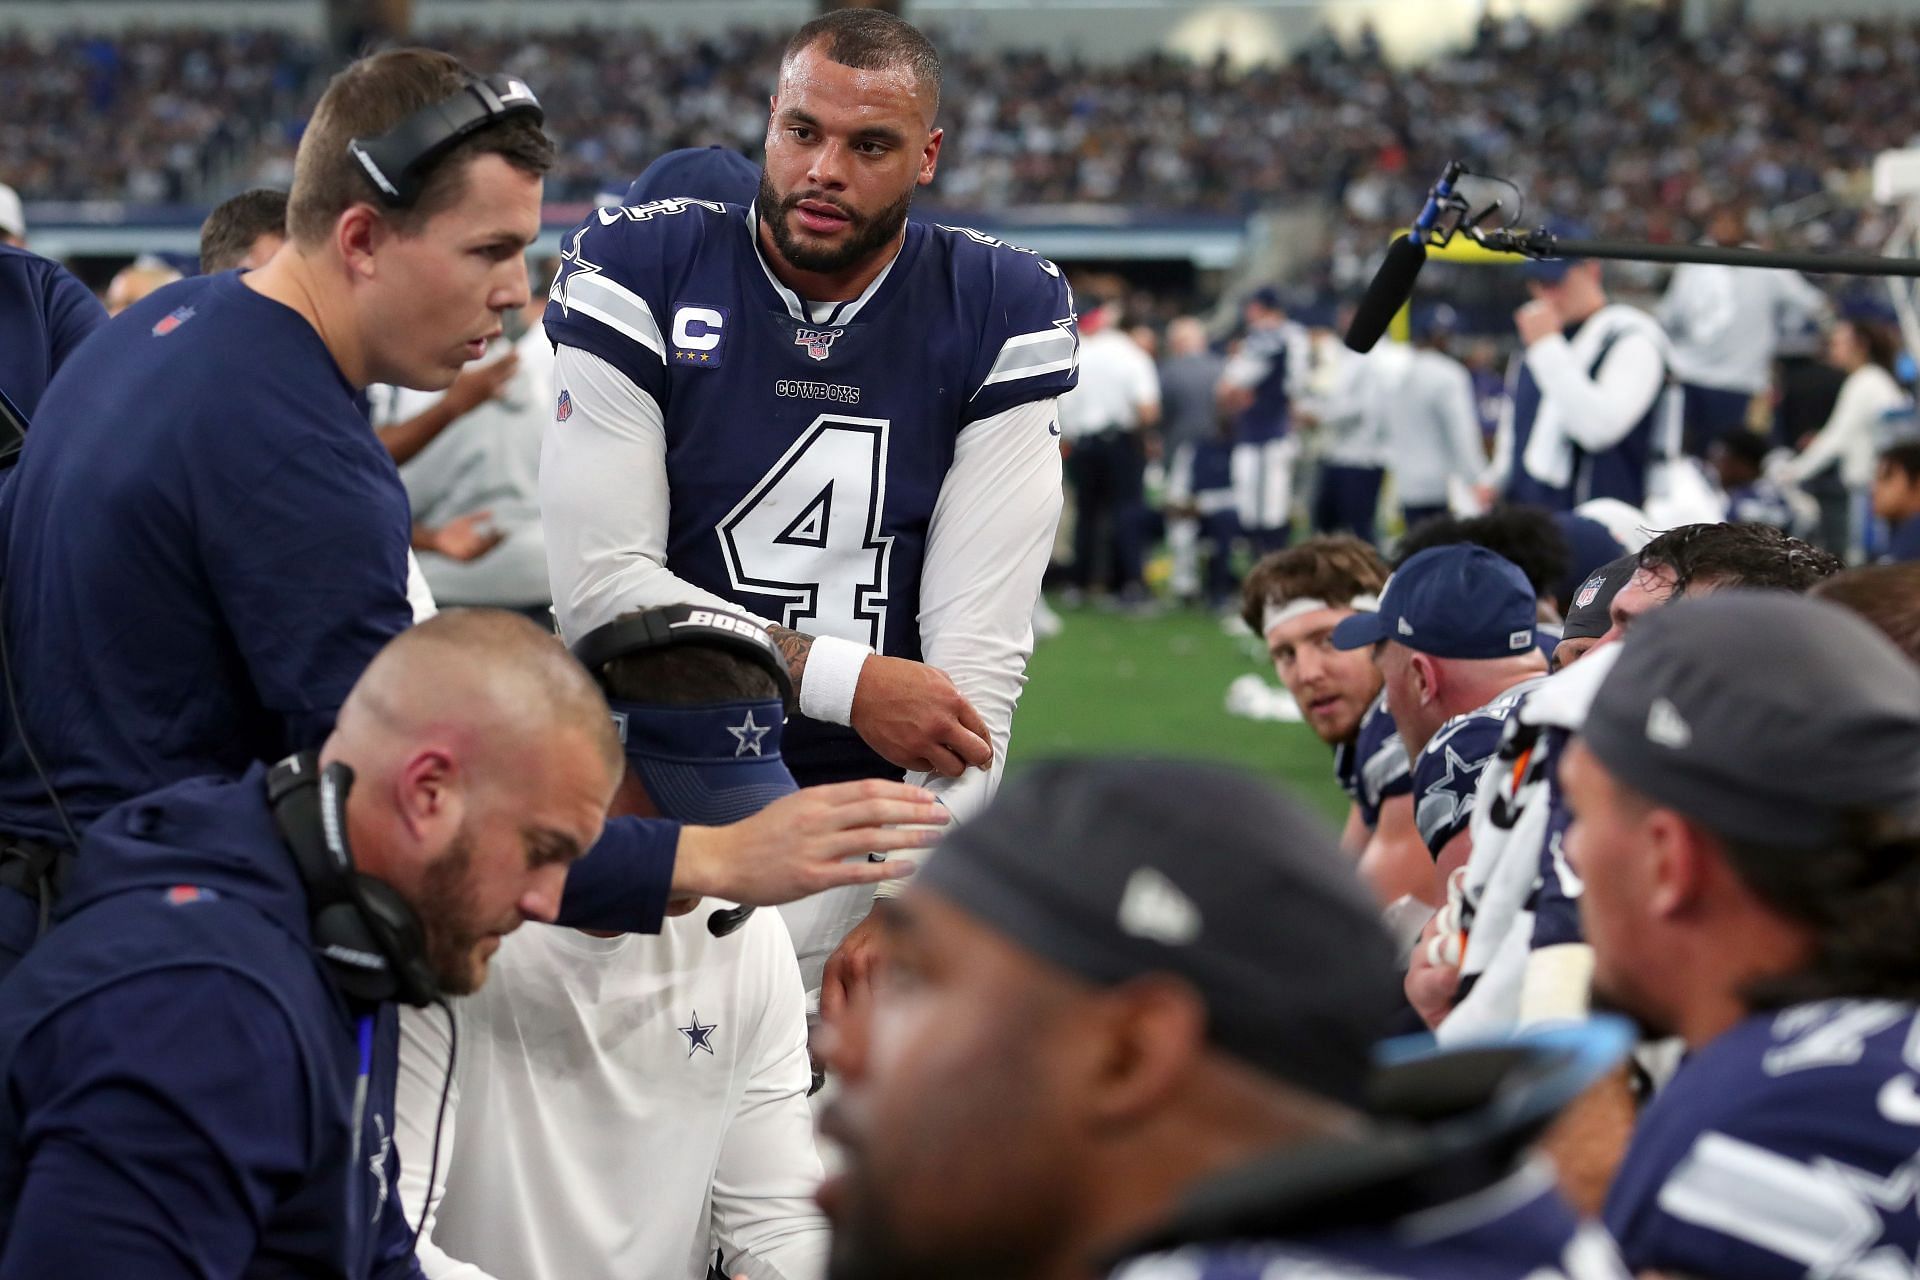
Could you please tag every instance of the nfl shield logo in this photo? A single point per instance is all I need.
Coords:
(818, 342)
(564, 409)
(171, 321)
(1588, 590)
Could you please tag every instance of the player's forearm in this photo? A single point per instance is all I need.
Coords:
(825, 671)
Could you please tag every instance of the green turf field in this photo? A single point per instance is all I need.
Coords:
(1115, 685)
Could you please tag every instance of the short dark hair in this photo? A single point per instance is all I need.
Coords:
(871, 40)
(1754, 556)
(687, 676)
(1749, 447)
(1886, 595)
(1903, 457)
(1526, 536)
(369, 98)
(1877, 340)
(227, 236)
(1335, 568)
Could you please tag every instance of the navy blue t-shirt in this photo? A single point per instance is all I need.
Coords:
(205, 545)
(1788, 1147)
(806, 447)
(44, 313)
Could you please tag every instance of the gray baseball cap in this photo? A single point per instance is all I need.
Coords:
(1111, 869)
(1765, 716)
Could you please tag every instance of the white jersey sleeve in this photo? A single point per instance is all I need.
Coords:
(987, 548)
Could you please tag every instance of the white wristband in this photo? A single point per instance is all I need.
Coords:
(832, 674)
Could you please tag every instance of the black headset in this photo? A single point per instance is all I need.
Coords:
(370, 937)
(398, 161)
(671, 625)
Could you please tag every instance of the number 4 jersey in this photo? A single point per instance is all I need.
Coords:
(807, 444)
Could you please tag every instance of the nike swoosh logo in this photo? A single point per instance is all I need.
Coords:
(1053, 428)
(1900, 1101)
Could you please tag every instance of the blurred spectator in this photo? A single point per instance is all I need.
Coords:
(1199, 464)
(1589, 417)
(1896, 499)
(1351, 429)
(1887, 595)
(1724, 322)
(1104, 420)
(135, 281)
(1433, 430)
(1842, 452)
(1258, 388)
(244, 231)
(474, 488)
(1739, 461)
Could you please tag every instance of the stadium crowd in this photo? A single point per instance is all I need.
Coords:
(1609, 972)
(1635, 113)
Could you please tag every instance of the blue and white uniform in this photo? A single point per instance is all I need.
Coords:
(1590, 414)
(1789, 1146)
(1272, 365)
(882, 473)
(1374, 768)
(1447, 774)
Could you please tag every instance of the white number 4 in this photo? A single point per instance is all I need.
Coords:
(809, 532)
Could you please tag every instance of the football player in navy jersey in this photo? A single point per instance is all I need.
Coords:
(833, 417)
(1750, 851)
(1295, 598)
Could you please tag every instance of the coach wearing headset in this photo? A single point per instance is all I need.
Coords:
(204, 545)
(199, 1060)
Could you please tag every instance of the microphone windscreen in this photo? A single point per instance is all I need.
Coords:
(1391, 288)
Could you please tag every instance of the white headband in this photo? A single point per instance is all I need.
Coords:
(1277, 614)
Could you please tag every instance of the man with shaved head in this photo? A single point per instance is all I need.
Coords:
(199, 1061)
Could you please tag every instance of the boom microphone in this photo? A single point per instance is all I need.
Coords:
(1391, 288)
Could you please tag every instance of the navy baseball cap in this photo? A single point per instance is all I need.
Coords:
(1458, 601)
(710, 764)
(698, 173)
(1554, 270)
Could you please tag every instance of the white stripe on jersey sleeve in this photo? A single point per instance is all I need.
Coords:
(614, 305)
(1028, 355)
(1770, 1201)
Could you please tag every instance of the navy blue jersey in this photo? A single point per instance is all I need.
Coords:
(807, 444)
(44, 313)
(1904, 544)
(1523, 1232)
(1620, 471)
(1787, 1147)
(1761, 502)
(1374, 767)
(1267, 418)
(1447, 773)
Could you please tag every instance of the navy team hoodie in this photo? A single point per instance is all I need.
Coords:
(179, 1070)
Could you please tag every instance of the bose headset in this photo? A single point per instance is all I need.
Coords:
(674, 625)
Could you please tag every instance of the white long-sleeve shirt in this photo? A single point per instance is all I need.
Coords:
(1118, 383)
(1725, 322)
(1433, 430)
(1850, 436)
(621, 1108)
